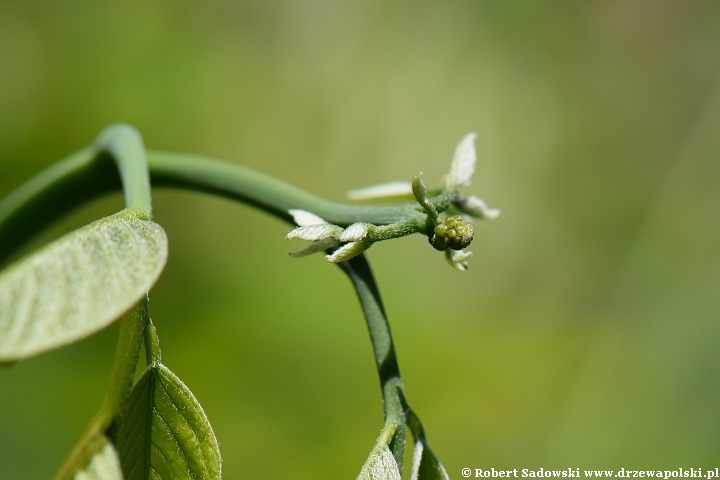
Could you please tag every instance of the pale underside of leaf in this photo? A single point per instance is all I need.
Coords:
(463, 162)
(315, 247)
(104, 465)
(347, 251)
(165, 434)
(314, 232)
(380, 466)
(78, 284)
(385, 191)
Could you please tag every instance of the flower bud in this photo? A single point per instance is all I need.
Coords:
(455, 232)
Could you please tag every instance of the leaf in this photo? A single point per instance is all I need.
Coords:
(426, 465)
(385, 191)
(314, 232)
(79, 283)
(463, 162)
(347, 251)
(380, 466)
(104, 465)
(303, 218)
(165, 434)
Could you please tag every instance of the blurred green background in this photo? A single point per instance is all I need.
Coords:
(585, 335)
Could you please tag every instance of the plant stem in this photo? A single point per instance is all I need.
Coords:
(105, 421)
(51, 194)
(260, 190)
(358, 270)
(122, 145)
(88, 174)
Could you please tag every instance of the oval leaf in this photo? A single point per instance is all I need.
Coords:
(380, 466)
(104, 465)
(165, 434)
(79, 283)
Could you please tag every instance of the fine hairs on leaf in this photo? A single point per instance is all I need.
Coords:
(381, 466)
(78, 284)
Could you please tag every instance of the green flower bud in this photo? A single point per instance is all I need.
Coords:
(455, 232)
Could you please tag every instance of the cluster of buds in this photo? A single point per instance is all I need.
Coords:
(451, 234)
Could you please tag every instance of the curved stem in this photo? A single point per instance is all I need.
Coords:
(87, 174)
(267, 193)
(51, 194)
(124, 145)
(358, 270)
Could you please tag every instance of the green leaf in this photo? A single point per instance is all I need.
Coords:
(104, 465)
(165, 434)
(426, 465)
(380, 466)
(79, 283)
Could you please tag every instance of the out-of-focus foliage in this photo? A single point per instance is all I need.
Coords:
(586, 333)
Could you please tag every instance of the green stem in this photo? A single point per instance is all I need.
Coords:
(75, 180)
(358, 270)
(124, 145)
(86, 175)
(51, 194)
(106, 420)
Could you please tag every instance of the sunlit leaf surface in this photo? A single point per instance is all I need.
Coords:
(165, 433)
(381, 466)
(78, 284)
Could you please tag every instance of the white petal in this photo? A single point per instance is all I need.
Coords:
(388, 191)
(355, 232)
(347, 251)
(303, 218)
(463, 162)
(314, 232)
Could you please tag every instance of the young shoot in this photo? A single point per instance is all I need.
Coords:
(450, 233)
